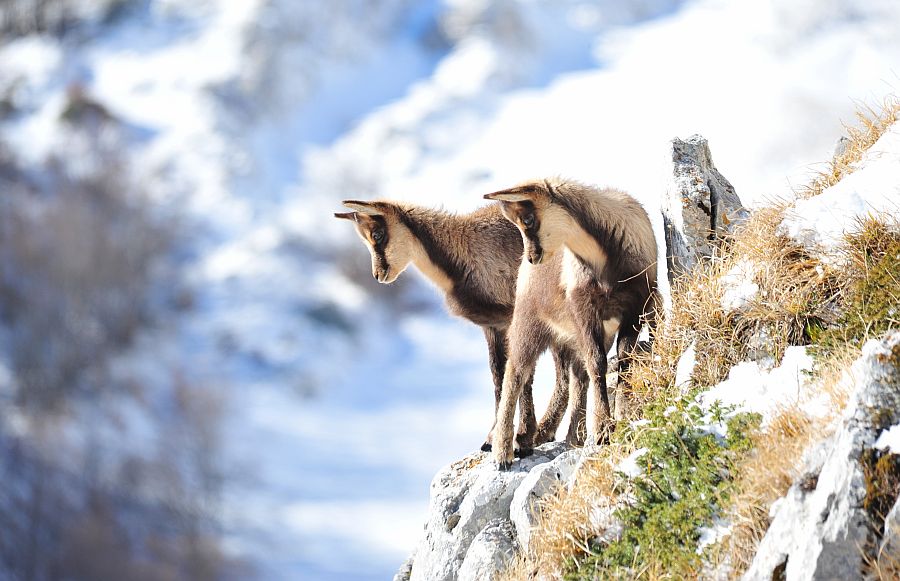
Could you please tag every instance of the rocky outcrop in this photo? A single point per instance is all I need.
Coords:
(480, 517)
(700, 205)
(821, 529)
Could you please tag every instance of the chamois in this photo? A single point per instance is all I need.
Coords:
(474, 259)
(590, 273)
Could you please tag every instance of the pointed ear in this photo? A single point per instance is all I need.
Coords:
(346, 216)
(512, 195)
(367, 208)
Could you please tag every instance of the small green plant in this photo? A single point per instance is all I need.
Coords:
(870, 305)
(687, 470)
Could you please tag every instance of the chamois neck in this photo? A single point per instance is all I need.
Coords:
(439, 247)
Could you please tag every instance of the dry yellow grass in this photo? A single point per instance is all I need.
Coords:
(566, 529)
(873, 121)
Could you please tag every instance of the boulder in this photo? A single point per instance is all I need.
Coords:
(700, 205)
(819, 529)
(490, 552)
(471, 499)
(542, 480)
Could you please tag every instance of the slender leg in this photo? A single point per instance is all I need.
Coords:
(526, 342)
(496, 341)
(628, 335)
(578, 385)
(527, 420)
(596, 337)
(546, 431)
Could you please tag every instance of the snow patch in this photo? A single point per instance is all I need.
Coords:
(629, 466)
(753, 389)
(821, 222)
(889, 440)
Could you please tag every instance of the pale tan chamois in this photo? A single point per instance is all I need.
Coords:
(589, 273)
(474, 259)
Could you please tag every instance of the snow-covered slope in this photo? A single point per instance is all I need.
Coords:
(258, 117)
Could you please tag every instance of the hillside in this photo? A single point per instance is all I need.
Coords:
(762, 439)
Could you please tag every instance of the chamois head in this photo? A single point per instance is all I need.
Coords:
(543, 222)
(389, 241)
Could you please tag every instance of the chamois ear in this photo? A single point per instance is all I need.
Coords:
(367, 208)
(346, 216)
(518, 194)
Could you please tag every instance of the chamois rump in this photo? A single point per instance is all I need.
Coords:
(474, 259)
(589, 273)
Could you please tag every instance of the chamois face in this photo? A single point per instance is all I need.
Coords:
(544, 224)
(390, 243)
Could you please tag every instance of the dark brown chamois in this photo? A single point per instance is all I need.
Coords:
(589, 273)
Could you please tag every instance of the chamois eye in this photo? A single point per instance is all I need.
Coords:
(378, 236)
(528, 221)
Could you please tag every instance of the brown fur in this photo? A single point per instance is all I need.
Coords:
(474, 259)
(590, 272)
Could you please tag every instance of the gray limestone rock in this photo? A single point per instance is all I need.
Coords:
(466, 497)
(819, 528)
(542, 480)
(700, 205)
(490, 552)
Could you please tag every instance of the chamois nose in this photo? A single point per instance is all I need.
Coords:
(535, 257)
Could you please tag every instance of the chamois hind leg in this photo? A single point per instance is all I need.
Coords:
(578, 386)
(496, 341)
(625, 346)
(546, 430)
(596, 339)
(525, 345)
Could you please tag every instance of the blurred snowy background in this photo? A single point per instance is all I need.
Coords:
(199, 378)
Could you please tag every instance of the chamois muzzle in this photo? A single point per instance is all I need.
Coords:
(381, 275)
(535, 254)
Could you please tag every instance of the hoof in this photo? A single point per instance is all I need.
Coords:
(504, 466)
(486, 447)
(523, 452)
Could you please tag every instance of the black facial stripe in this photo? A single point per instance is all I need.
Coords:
(381, 260)
(534, 239)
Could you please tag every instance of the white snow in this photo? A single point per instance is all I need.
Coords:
(822, 221)
(629, 466)
(713, 534)
(739, 288)
(889, 440)
(685, 367)
(751, 388)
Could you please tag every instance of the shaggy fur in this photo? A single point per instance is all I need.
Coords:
(474, 259)
(590, 273)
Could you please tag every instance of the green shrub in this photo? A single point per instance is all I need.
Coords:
(688, 468)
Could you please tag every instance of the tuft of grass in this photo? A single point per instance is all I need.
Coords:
(870, 305)
(796, 293)
(566, 529)
(872, 121)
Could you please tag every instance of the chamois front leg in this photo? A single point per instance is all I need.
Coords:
(496, 341)
(503, 443)
(525, 345)
(546, 430)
